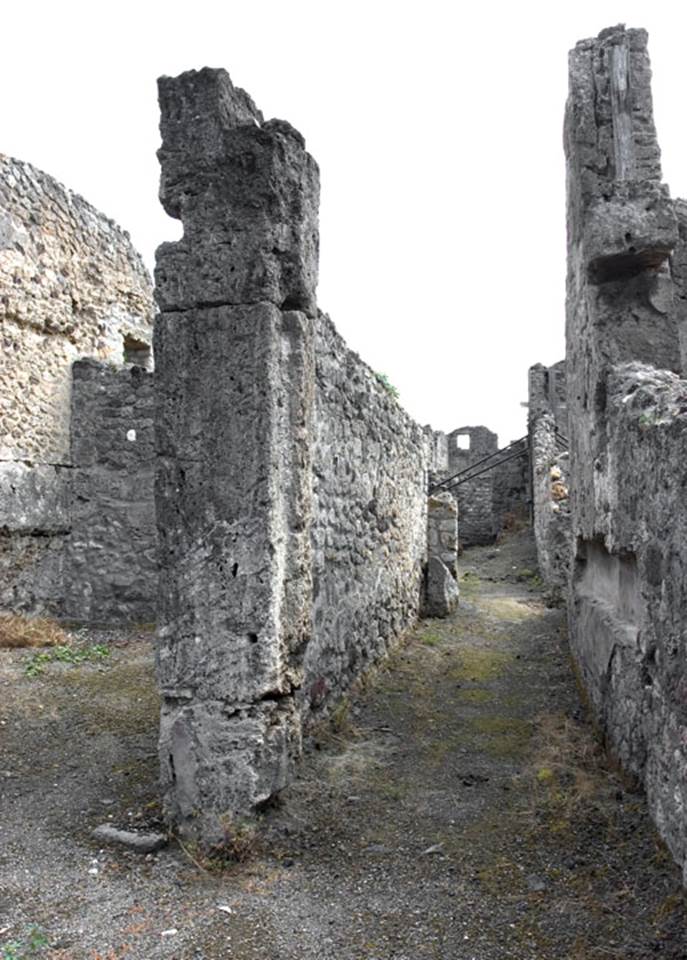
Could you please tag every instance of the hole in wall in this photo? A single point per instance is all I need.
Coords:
(463, 441)
(137, 352)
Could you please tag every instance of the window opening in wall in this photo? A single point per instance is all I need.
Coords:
(463, 441)
(137, 352)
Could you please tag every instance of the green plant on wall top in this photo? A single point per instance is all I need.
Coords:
(388, 385)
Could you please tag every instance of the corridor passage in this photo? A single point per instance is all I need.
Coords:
(458, 808)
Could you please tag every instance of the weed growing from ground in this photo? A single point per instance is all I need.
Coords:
(32, 946)
(35, 666)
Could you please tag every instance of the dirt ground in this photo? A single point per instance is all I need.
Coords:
(457, 808)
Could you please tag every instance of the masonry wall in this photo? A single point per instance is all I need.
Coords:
(291, 488)
(71, 286)
(511, 493)
(477, 521)
(369, 518)
(549, 463)
(110, 569)
(625, 300)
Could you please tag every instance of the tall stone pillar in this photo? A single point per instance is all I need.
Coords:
(622, 229)
(235, 383)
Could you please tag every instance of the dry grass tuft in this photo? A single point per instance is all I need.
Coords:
(569, 776)
(21, 631)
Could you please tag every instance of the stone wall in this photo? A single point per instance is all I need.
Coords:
(71, 286)
(511, 493)
(625, 303)
(291, 487)
(369, 518)
(78, 542)
(549, 463)
(110, 569)
(475, 497)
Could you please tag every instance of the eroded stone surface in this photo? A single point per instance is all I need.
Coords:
(218, 154)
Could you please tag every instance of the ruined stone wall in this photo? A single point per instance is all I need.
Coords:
(110, 569)
(291, 488)
(475, 497)
(549, 464)
(511, 494)
(71, 286)
(625, 303)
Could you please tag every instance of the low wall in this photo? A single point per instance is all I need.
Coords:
(291, 487)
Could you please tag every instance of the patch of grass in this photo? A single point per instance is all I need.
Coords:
(501, 877)
(670, 905)
(430, 639)
(479, 664)
(568, 776)
(504, 736)
(239, 844)
(33, 945)
(474, 695)
(507, 608)
(64, 653)
(18, 631)
(123, 699)
(340, 718)
(469, 583)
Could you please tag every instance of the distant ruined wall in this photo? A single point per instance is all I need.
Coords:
(549, 463)
(628, 472)
(477, 521)
(291, 488)
(511, 494)
(71, 286)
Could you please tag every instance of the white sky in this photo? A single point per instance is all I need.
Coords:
(437, 128)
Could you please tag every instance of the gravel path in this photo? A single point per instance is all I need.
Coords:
(458, 808)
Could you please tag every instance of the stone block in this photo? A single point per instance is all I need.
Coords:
(441, 590)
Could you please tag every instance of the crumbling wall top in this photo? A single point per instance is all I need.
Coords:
(247, 193)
